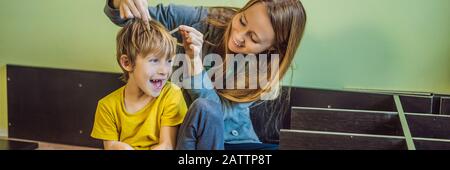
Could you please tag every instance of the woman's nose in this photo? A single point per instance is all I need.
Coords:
(240, 40)
(240, 36)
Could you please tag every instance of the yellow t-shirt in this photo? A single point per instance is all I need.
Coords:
(141, 129)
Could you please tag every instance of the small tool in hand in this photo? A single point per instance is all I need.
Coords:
(178, 28)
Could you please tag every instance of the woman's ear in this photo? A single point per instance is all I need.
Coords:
(126, 64)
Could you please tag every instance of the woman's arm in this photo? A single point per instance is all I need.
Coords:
(171, 16)
(167, 138)
(116, 145)
(193, 42)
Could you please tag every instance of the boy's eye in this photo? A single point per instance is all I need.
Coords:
(153, 60)
(169, 61)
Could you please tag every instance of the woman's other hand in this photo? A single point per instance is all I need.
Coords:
(133, 9)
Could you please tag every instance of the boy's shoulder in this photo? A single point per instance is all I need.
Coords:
(171, 93)
(171, 88)
(113, 97)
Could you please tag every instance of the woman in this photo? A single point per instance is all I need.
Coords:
(219, 118)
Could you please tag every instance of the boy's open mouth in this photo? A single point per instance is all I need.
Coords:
(157, 83)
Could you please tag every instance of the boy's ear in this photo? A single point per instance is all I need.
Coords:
(126, 63)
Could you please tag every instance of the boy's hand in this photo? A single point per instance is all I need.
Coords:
(162, 147)
(192, 41)
(167, 138)
(133, 9)
(116, 145)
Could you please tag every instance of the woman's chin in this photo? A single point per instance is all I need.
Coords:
(232, 49)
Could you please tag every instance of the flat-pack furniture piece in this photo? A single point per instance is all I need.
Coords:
(355, 120)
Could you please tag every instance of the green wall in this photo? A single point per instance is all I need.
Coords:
(376, 44)
(371, 44)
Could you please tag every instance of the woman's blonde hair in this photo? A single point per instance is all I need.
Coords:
(288, 18)
(140, 39)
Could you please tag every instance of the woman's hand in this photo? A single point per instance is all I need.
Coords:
(193, 43)
(133, 9)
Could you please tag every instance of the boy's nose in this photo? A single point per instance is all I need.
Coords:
(163, 70)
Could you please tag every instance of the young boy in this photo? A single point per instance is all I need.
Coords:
(145, 113)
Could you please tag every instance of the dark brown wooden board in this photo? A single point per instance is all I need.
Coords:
(297, 140)
(304, 97)
(445, 106)
(417, 104)
(17, 145)
(56, 105)
(422, 144)
(429, 126)
(376, 123)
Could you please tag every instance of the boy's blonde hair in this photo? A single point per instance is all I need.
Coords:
(137, 39)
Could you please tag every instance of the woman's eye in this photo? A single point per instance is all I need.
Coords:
(253, 39)
(169, 61)
(153, 60)
(242, 21)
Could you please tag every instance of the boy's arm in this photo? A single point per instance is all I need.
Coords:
(116, 145)
(167, 138)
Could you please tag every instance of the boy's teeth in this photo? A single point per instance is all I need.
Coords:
(157, 83)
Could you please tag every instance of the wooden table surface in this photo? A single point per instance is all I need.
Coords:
(23, 144)
(17, 145)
